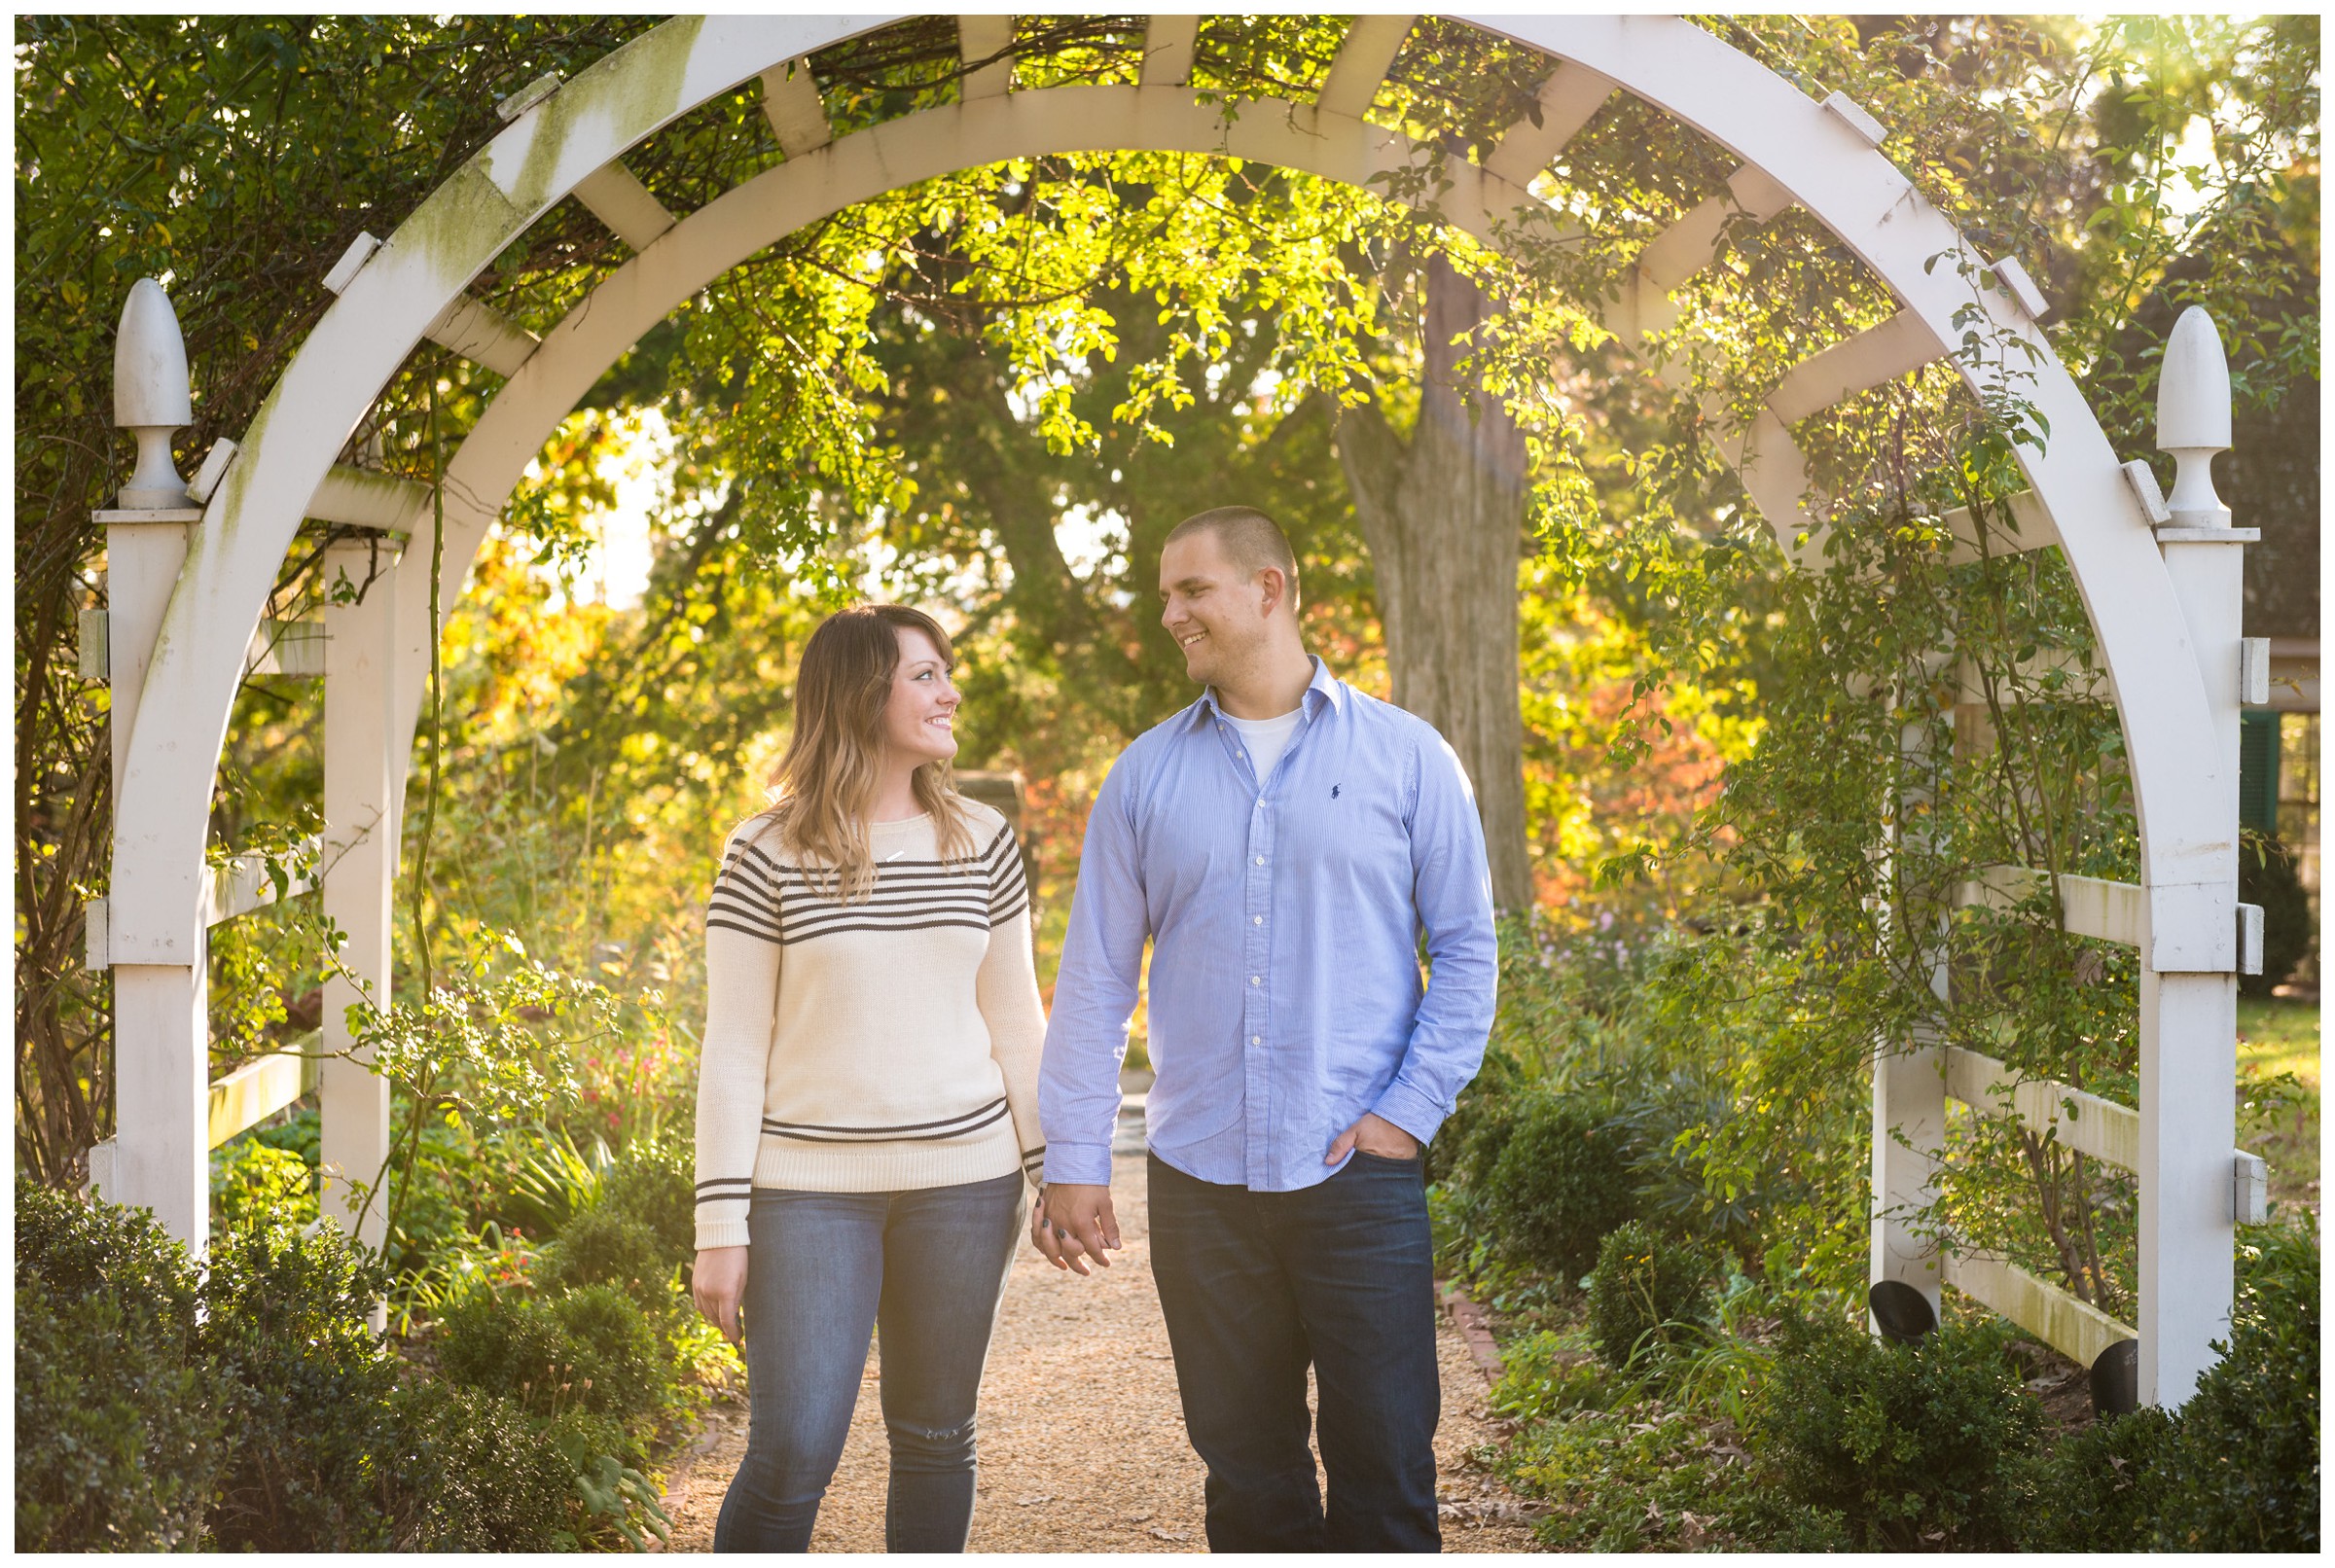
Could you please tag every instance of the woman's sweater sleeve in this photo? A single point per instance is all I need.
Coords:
(1007, 990)
(741, 1002)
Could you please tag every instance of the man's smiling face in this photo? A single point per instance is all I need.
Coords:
(1213, 610)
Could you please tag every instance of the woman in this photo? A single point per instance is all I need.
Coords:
(867, 1102)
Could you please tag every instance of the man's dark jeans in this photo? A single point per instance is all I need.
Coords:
(1256, 1284)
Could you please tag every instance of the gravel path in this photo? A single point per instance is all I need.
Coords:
(1082, 1438)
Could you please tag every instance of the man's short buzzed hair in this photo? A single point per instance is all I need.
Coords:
(1251, 541)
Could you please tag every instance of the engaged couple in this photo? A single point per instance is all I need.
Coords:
(880, 1077)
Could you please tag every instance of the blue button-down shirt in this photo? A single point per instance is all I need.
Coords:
(1287, 998)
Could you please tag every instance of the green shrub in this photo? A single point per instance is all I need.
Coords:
(616, 1499)
(655, 1185)
(272, 1418)
(2235, 1469)
(601, 1246)
(623, 1355)
(314, 1386)
(1646, 1293)
(2267, 876)
(1796, 1528)
(590, 1350)
(1486, 1125)
(2244, 1468)
(476, 1474)
(2102, 1488)
(511, 1346)
(75, 1249)
(1913, 1447)
(1560, 1182)
(1637, 1478)
(119, 1417)
(1467, 1143)
(481, 1471)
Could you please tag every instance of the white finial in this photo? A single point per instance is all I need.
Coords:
(2193, 416)
(151, 399)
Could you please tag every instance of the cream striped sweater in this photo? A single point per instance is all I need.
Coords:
(875, 1045)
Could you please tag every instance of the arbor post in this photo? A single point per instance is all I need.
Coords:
(1909, 1079)
(2188, 977)
(362, 782)
(157, 1157)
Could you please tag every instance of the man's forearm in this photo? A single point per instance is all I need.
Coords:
(1452, 889)
(1078, 1076)
(1445, 1054)
(1078, 1106)
(1094, 996)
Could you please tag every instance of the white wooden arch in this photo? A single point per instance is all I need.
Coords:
(2163, 604)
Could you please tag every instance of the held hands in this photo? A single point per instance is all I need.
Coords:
(1374, 1134)
(718, 1283)
(1070, 1223)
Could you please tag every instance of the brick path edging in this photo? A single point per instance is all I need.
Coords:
(1475, 1331)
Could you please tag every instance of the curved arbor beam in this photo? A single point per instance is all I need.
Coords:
(1851, 187)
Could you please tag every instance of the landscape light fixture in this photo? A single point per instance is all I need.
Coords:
(2116, 1379)
(1903, 1312)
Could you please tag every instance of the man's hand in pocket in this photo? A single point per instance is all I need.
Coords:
(1374, 1134)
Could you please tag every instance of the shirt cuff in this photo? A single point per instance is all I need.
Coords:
(1411, 1110)
(1078, 1164)
(713, 1233)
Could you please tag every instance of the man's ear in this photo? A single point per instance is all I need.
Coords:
(1274, 584)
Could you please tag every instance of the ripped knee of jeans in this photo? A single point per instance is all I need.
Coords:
(919, 1446)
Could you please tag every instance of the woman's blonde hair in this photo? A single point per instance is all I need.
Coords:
(825, 785)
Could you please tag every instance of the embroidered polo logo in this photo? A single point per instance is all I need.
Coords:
(1334, 789)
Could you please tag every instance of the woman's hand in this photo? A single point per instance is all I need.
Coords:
(718, 1283)
(1071, 1224)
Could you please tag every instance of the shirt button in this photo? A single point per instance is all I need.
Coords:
(1256, 919)
(1260, 860)
(1256, 979)
(1256, 1039)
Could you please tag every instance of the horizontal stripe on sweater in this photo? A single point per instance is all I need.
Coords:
(905, 1126)
(956, 1127)
(758, 896)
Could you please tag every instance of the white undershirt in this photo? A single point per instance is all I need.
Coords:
(1266, 739)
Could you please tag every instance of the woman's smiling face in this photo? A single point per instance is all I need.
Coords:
(920, 715)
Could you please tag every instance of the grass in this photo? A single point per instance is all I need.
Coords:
(2279, 1091)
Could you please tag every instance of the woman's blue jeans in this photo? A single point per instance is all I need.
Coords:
(925, 1269)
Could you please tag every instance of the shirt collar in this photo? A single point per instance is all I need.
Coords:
(1324, 688)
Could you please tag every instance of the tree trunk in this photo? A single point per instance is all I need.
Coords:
(1443, 514)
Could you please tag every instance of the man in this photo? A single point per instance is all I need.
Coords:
(1284, 842)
